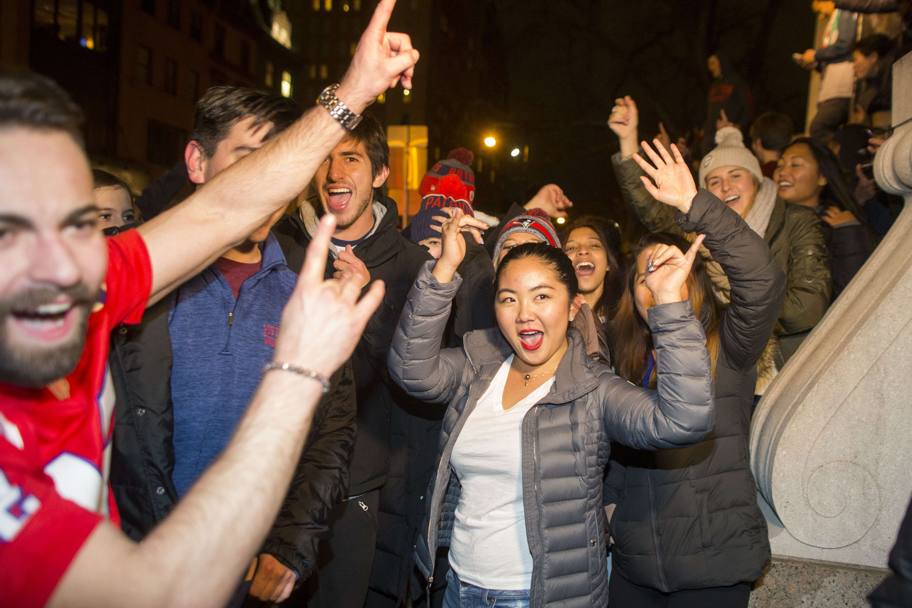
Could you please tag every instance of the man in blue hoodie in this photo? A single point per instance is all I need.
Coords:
(215, 334)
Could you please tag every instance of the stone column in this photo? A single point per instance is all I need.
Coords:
(831, 442)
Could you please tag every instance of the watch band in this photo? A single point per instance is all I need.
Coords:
(337, 108)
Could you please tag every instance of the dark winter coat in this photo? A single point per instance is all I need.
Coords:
(395, 439)
(687, 518)
(565, 436)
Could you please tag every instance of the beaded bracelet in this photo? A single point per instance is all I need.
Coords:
(307, 373)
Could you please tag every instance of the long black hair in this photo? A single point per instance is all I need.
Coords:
(837, 191)
(609, 234)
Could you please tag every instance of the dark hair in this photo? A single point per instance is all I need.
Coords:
(774, 130)
(631, 340)
(222, 106)
(609, 234)
(372, 134)
(874, 43)
(552, 256)
(837, 190)
(34, 101)
(103, 179)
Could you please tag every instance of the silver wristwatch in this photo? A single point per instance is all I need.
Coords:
(337, 108)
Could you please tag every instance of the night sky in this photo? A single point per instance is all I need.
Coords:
(545, 74)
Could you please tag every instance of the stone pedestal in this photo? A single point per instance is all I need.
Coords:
(831, 442)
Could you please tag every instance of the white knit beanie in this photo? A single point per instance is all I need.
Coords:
(729, 152)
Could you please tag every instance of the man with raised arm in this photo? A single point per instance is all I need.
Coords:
(63, 287)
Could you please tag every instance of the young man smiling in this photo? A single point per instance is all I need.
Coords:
(393, 448)
(63, 287)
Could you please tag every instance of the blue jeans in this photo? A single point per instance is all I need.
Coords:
(464, 595)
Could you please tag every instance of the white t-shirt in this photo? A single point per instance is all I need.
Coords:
(489, 547)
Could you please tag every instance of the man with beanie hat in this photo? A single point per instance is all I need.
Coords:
(531, 227)
(457, 163)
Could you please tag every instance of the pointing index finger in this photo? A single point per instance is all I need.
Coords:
(381, 16)
(317, 250)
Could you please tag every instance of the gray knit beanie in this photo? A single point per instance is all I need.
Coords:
(729, 152)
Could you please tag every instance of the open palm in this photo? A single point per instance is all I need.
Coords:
(670, 180)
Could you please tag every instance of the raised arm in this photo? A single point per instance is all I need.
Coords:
(187, 238)
(757, 283)
(198, 553)
(680, 410)
(416, 361)
(623, 122)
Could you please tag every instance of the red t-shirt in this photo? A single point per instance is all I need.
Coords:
(53, 446)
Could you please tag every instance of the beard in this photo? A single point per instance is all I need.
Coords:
(37, 366)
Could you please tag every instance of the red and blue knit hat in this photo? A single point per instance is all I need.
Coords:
(534, 222)
(458, 163)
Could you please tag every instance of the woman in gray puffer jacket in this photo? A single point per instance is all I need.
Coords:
(687, 530)
(517, 493)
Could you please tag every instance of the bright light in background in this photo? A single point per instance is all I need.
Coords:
(514, 152)
(406, 92)
(490, 141)
(561, 220)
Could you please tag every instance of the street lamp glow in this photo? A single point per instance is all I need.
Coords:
(514, 152)
(561, 220)
(490, 141)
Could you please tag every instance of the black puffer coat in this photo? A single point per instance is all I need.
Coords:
(565, 437)
(687, 518)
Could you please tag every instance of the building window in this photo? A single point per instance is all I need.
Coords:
(196, 26)
(67, 18)
(245, 56)
(269, 75)
(281, 28)
(164, 143)
(170, 76)
(144, 65)
(324, 71)
(94, 28)
(286, 83)
(174, 14)
(316, 5)
(328, 5)
(219, 44)
(312, 71)
(356, 4)
(148, 6)
(194, 84)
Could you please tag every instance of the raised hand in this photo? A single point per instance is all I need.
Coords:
(722, 121)
(382, 60)
(667, 270)
(670, 180)
(324, 319)
(348, 265)
(550, 199)
(624, 121)
(453, 245)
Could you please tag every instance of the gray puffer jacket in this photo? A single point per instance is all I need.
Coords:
(566, 436)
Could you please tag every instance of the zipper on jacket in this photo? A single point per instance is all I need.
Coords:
(230, 318)
(660, 569)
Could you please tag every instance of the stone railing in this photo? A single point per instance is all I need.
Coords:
(831, 441)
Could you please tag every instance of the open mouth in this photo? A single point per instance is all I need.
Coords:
(46, 322)
(531, 339)
(338, 197)
(731, 200)
(783, 183)
(584, 269)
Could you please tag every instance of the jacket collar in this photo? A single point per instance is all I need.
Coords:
(383, 243)
(487, 349)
